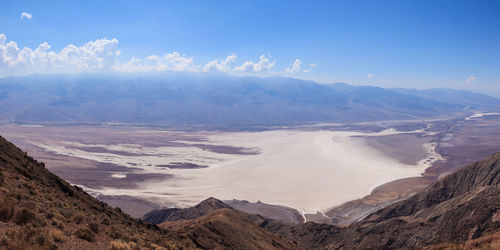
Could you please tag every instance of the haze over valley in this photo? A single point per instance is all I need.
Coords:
(202, 99)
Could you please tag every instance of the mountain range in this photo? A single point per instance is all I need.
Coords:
(179, 99)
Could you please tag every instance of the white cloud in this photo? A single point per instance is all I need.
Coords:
(470, 79)
(168, 62)
(311, 66)
(264, 64)
(26, 15)
(369, 76)
(220, 65)
(101, 55)
(93, 56)
(295, 67)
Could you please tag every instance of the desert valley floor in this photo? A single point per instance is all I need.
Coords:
(321, 170)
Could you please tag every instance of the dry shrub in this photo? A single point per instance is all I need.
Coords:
(115, 232)
(156, 247)
(57, 235)
(105, 221)
(78, 218)
(49, 215)
(6, 210)
(57, 223)
(86, 234)
(119, 245)
(94, 227)
(24, 216)
(4, 242)
(134, 245)
(27, 238)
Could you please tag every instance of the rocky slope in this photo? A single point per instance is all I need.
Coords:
(173, 214)
(38, 210)
(272, 212)
(206, 232)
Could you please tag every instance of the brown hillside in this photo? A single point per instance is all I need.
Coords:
(173, 214)
(243, 234)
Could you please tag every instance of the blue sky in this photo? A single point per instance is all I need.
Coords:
(416, 44)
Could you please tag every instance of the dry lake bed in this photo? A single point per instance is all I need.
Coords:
(311, 169)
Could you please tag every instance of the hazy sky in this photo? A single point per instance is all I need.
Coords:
(399, 43)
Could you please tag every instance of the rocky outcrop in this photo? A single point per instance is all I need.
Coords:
(237, 230)
(173, 214)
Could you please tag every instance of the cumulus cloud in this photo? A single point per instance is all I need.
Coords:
(93, 56)
(221, 65)
(264, 64)
(369, 76)
(168, 62)
(295, 67)
(101, 55)
(470, 79)
(311, 67)
(26, 15)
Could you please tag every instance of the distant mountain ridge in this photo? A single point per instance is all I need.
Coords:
(208, 99)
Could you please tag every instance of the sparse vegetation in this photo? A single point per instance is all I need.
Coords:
(57, 235)
(24, 216)
(86, 234)
(28, 238)
(119, 245)
(105, 221)
(6, 210)
(78, 219)
(94, 227)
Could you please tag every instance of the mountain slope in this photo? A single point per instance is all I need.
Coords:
(461, 207)
(211, 99)
(173, 214)
(38, 210)
(205, 232)
(454, 96)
